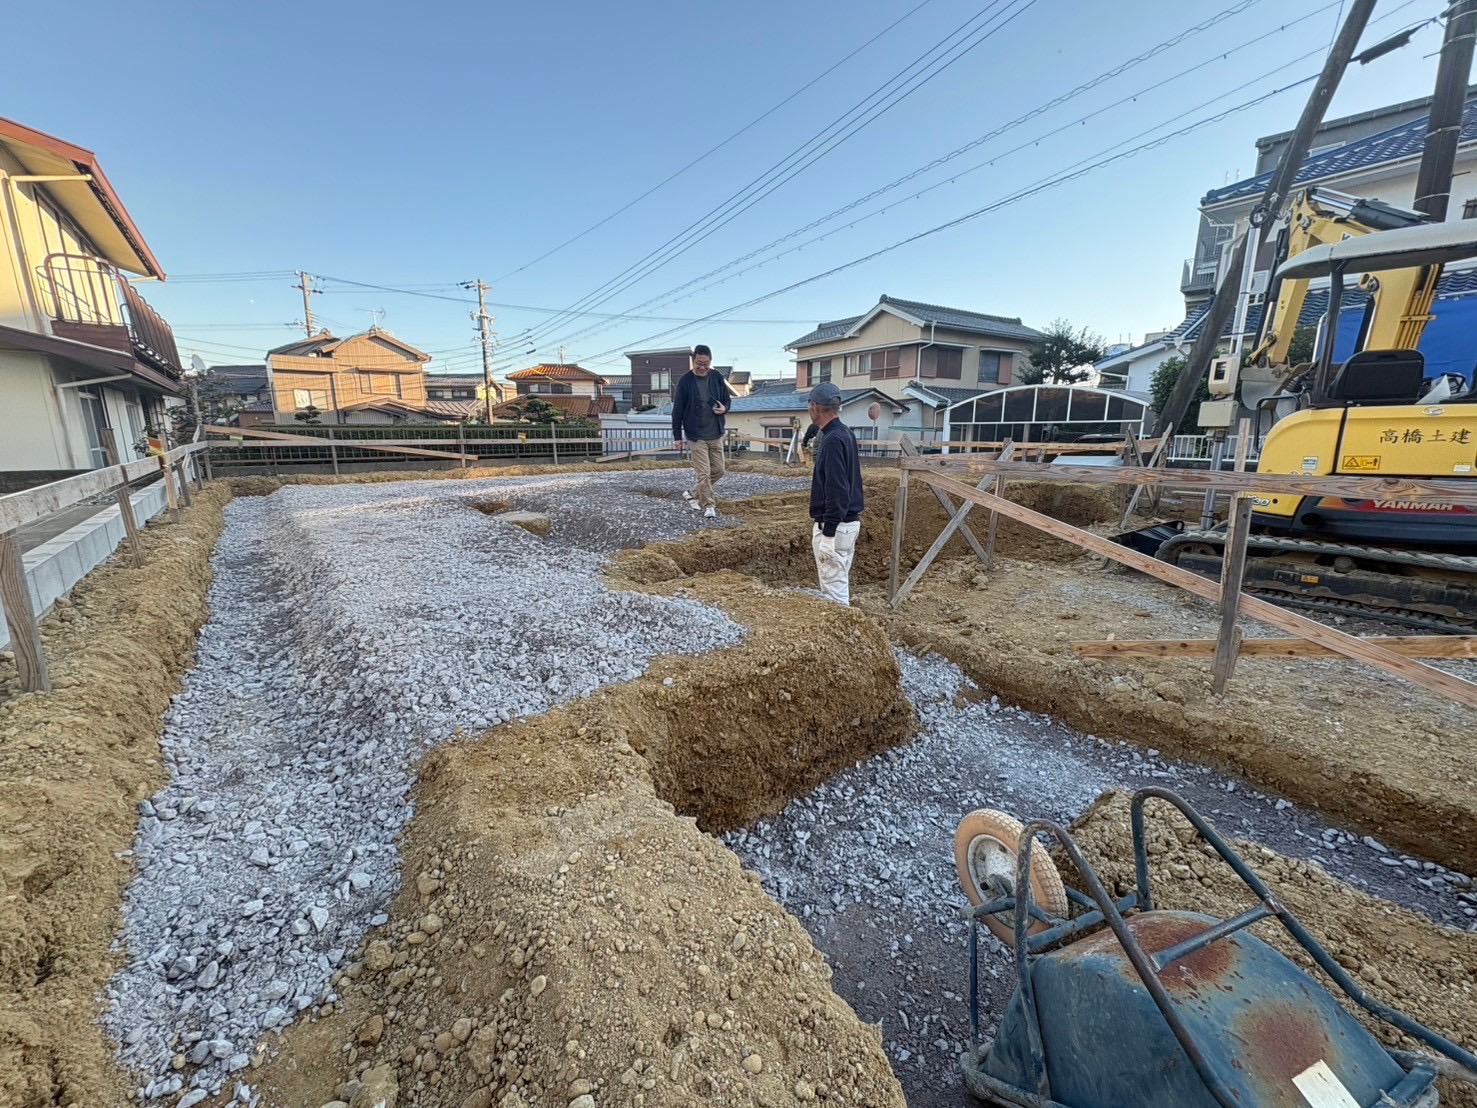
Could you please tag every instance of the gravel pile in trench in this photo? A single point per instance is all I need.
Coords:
(352, 626)
(866, 861)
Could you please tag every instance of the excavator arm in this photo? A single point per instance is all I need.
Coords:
(1318, 216)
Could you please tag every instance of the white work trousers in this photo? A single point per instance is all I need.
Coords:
(833, 559)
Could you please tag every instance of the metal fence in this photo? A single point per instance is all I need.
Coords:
(1192, 450)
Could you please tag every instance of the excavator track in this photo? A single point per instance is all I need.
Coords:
(1444, 599)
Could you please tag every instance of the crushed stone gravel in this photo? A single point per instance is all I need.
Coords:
(351, 627)
(866, 861)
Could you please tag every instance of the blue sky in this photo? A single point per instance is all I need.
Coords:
(415, 146)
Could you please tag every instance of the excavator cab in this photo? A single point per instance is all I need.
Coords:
(1376, 413)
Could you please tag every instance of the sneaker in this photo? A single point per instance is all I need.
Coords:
(712, 512)
(686, 495)
(694, 505)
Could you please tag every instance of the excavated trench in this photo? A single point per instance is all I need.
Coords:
(569, 926)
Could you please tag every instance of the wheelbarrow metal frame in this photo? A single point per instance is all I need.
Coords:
(1027, 949)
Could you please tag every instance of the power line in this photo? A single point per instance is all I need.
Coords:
(1235, 9)
(688, 237)
(1022, 194)
(714, 149)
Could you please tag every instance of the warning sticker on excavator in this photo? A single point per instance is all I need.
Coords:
(1361, 461)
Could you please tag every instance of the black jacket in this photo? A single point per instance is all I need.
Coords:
(686, 401)
(836, 484)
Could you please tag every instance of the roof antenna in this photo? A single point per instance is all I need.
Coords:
(375, 315)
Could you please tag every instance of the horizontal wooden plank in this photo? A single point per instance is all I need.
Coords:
(379, 445)
(1418, 673)
(1446, 490)
(18, 509)
(1411, 646)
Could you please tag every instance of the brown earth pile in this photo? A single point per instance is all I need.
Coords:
(569, 935)
(1401, 958)
(73, 764)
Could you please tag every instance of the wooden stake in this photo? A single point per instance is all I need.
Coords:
(1417, 673)
(999, 490)
(184, 481)
(1233, 573)
(1410, 646)
(899, 519)
(461, 446)
(125, 505)
(1243, 444)
(169, 489)
(25, 635)
(209, 469)
(910, 450)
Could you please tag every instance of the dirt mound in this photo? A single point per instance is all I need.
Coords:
(73, 764)
(569, 934)
(1425, 970)
(774, 543)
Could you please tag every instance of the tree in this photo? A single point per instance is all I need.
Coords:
(1063, 355)
(1162, 383)
(535, 409)
(308, 415)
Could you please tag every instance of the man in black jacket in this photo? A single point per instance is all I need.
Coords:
(835, 494)
(699, 403)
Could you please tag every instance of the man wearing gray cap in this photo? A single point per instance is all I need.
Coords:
(835, 494)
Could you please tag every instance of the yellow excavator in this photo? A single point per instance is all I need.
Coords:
(1378, 412)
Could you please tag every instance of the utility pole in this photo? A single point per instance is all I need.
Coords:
(305, 283)
(1223, 302)
(1444, 126)
(486, 337)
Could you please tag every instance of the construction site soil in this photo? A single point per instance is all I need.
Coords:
(570, 932)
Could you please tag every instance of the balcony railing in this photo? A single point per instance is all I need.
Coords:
(90, 301)
(1198, 275)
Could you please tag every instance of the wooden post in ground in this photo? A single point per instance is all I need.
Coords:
(1161, 452)
(461, 442)
(998, 490)
(1233, 572)
(899, 520)
(333, 449)
(910, 450)
(169, 489)
(125, 505)
(209, 469)
(184, 480)
(1243, 444)
(25, 635)
(554, 440)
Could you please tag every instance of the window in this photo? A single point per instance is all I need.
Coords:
(1469, 209)
(941, 361)
(661, 379)
(990, 366)
(781, 433)
(885, 363)
(310, 398)
(864, 363)
(820, 371)
(852, 366)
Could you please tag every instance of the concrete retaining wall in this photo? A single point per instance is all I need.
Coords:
(59, 563)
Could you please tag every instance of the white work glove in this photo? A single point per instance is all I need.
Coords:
(827, 547)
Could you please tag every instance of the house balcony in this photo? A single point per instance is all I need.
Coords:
(89, 301)
(1198, 275)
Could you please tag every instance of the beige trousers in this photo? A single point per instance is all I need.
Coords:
(707, 463)
(833, 559)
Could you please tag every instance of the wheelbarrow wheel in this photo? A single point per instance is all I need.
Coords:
(986, 846)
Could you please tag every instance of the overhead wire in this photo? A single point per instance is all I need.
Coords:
(705, 155)
(669, 295)
(807, 152)
(980, 165)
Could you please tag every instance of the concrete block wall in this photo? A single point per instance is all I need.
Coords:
(59, 563)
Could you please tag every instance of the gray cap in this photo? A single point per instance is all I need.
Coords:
(825, 395)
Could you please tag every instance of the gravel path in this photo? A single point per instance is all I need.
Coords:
(351, 627)
(866, 860)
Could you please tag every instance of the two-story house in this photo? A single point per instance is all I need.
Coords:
(371, 377)
(922, 355)
(82, 356)
(573, 389)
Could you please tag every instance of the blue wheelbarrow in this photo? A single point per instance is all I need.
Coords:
(1166, 1009)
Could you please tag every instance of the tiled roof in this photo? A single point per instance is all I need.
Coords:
(794, 401)
(305, 347)
(950, 394)
(578, 406)
(618, 380)
(256, 370)
(554, 372)
(453, 409)
(739, 377)
(956, 319)
(1396, 144)
(778, 384)
(454, 380)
